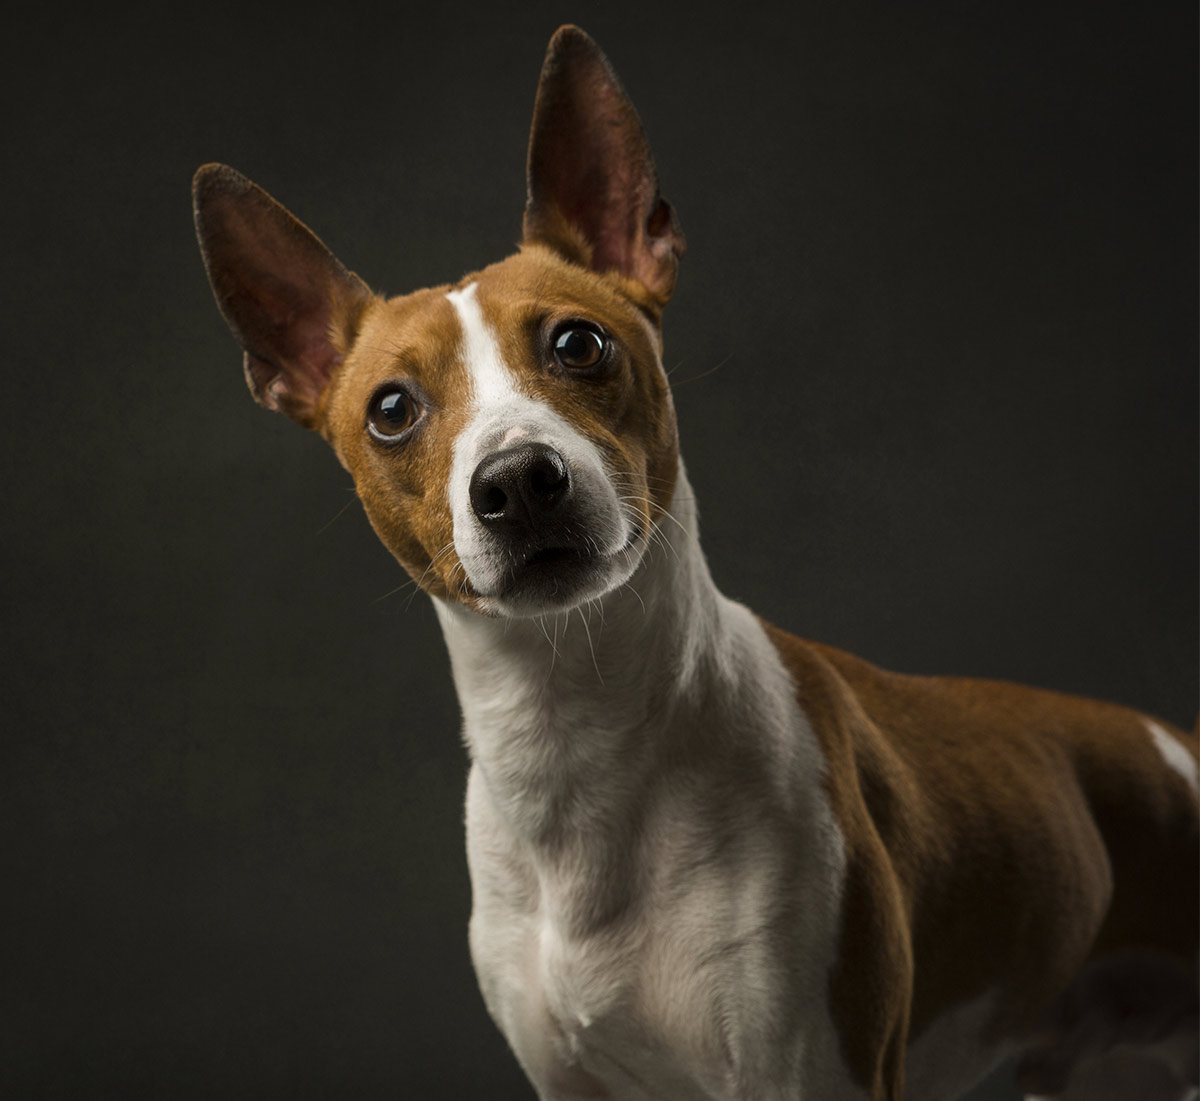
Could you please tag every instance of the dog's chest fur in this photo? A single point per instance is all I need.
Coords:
(629, 928)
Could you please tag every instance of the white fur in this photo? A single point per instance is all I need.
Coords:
(1174, 754)
(640, 925)
(491, 382)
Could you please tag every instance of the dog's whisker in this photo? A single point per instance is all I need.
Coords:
(696, 378)
(591, 648)
(541, 622)
(424, 573)
(336, 516)
(392, 592)
(675, 520)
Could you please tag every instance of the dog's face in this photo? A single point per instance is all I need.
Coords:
(511, 437)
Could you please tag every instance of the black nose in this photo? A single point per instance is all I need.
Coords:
(519, 487)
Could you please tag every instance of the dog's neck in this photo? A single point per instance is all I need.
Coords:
(557, 709)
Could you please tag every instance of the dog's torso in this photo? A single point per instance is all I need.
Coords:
(901, 862)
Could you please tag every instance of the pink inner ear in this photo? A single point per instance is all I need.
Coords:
(280, 289)
(285, 327)
(659, 222)
(607, 206)
(589, 161)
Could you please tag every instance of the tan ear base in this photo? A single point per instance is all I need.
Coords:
(549, 227)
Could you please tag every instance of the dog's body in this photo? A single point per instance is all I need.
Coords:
(708, 859)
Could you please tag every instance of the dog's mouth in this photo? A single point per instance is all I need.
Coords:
(550, 574)
(554, 557)
(556, 563)
(560, 576)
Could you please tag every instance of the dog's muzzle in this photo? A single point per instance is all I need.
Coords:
(548, 529)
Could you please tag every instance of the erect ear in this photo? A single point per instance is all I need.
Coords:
(592, 188)
(291, 305)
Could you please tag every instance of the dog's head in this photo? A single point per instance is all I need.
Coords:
(512, 436)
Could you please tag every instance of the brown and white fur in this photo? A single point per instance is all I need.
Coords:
(709, 859)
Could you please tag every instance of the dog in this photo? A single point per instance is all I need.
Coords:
(709, 860)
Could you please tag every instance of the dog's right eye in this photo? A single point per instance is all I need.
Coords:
(580, 346)
(392, 413)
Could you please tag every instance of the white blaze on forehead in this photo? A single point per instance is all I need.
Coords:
(491, 381)
(1174, 753)
(499, 414)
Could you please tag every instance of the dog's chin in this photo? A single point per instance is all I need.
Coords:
(552, 580)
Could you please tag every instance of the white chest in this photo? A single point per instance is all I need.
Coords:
(701, 985)
(594, 1018)
(656, 872)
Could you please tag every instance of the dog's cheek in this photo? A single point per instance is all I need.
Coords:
(374, 483)
(405, 503)
(647, 439)
(657, 427)
(625, 461)
(662, 462)
(386, 514)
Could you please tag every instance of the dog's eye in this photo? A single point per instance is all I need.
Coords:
(579, 347)
(392, 413)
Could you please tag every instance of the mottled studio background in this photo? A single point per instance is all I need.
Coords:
(945, 260)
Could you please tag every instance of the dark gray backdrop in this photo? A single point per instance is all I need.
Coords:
(934, 349)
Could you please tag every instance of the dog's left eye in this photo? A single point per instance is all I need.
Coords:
(392, 413)
(579, 347)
